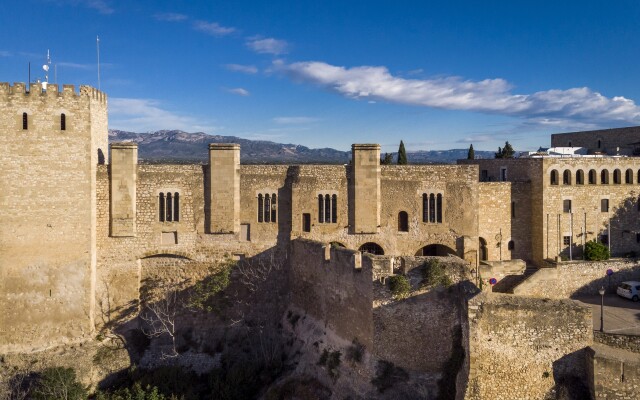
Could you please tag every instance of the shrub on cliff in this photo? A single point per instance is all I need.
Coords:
(59, 383)
(400, 287)
(596, 251)
(434, 274)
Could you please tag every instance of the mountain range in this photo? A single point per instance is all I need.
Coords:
(176, 146)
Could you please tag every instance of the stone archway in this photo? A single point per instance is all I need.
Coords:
(372, 248)
(439, 250)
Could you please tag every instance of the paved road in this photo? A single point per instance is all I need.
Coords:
(620, 315)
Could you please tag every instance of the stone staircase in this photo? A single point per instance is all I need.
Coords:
(510, 282)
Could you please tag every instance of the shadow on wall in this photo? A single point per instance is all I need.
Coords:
(571, 374)
(233, 313)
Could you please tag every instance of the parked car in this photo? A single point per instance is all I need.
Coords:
(630, 290)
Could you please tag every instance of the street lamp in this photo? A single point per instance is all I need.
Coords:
(601, 291)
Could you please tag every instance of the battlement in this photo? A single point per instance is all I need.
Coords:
(52, 90)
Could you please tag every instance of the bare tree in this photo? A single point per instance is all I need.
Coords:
(14, 385)
(255, 272)
(159, 317)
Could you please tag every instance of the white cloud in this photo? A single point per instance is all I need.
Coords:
(477, 139)
(144, 115)
(294, 120)
(76, 65)
(212, 28)
(170, 17)
(493, 96)
(5, 53)
(267, 45)
(239, 91)
(246, 69)
(102, 6)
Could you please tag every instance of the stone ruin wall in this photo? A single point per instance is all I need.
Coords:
(524, 345)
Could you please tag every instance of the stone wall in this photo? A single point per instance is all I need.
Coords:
(47, 223)
(566, 280)
(625, 342)
(610, 140)
(616, 374)
(525, 345)
(333, 285)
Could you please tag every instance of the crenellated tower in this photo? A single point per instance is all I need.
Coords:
(51, 141)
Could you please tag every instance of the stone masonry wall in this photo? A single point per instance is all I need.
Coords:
(333, 285)
(578, 278)
(610, 140)
(616, 374)
(523, 345)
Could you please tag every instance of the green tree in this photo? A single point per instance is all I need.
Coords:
(387, 159)
(400, 286)
(506, 152)
(596, 251)
(471, 155)
(402, 155)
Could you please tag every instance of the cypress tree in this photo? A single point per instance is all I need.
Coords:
(402, 154)
(387, 159)
(471, 155)
(508, 151)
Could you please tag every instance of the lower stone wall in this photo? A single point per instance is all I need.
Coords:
(580, 278)
(522, 347)
(616, 375)
(625, 342)
(334, 285)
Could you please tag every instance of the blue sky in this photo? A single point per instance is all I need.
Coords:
(436, 74)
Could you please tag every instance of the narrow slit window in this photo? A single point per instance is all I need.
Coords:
(63, 122)
(334, 208)
(274, 207)
(439, 208)
(513, 209)
(161, 206)
(432, 208)
(260, 207)
(169, 217)
(176, 206)
(579, 177)
(267, 208)
(320, 208)
(25, 121)
(425, 208)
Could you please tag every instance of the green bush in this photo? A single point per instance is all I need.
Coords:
(137, 392)
(400, 287)
(355, 352)
(434, 274)
(596, 251)
(59, 383)
(204, 291)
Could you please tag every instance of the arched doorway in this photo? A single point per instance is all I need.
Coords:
(338, 245)
(438, 250)
(483, 250)
(372, 248)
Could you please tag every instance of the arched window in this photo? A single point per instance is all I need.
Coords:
(483, 250)
(403, 221)
(260, 208)
(267, 208)
(274, 207)
(439, 208)
(176, 206)
(566, 177)
(334, 208)
(432, 208)
(372, 248)
(169, 208)
(320, 208)
(599, 143)
(628, 177)
(425, 207)
(511, 245)
(604, 177)
(617, 176)
(63, 122)
(554, 177)
(161, 203)
(592, 177)
(579, 177)
(25, 124)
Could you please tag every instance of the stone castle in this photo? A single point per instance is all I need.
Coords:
(80, 217)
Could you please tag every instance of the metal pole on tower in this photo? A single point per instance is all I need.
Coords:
(98, 49)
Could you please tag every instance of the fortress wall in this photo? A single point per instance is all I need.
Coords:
(615, 376)
(576, 278)
(622, 217)
(47, 230)
(524, 345)
(337, 290)
(495, 226)
(610, 139)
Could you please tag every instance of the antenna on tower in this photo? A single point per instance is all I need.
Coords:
(98, 49)
(46, 71)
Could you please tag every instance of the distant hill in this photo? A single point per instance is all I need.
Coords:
(183, 147)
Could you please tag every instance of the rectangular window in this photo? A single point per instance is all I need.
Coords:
(513, 209)
(566, 206)
(484, 175)
(566, 240)
(306, 222)
(604, 239)
(604, 205)
(245, 232)
(503, 174)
